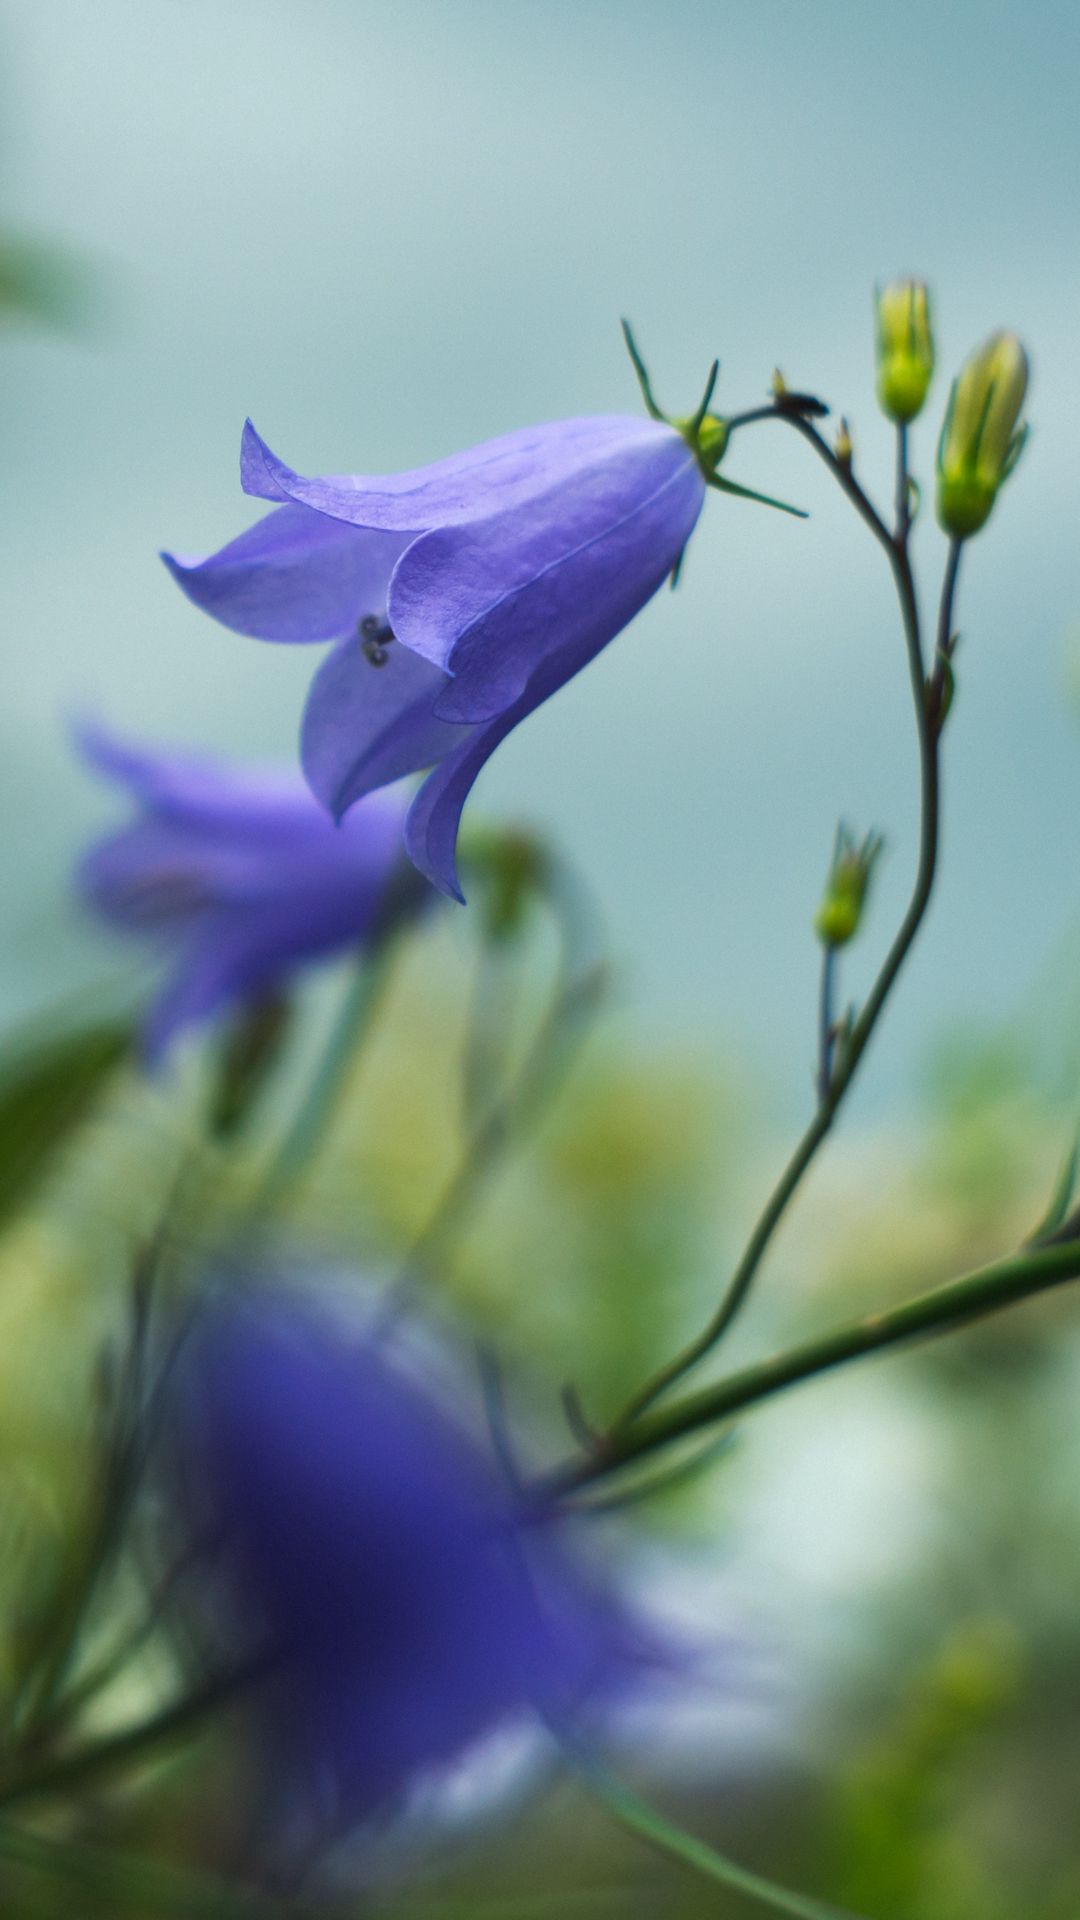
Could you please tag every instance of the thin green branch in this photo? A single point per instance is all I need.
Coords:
(643, 1820)
(362, 998)
(955, 1304)
(846, 1059)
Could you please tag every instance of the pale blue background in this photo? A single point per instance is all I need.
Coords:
(387, 230)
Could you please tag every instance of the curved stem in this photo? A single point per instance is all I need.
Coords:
(956, 1304)
(357, 1008)
(843, 1067)
(575, 993)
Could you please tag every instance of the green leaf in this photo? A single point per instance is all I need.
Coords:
(641, 1819)
(47, 1086)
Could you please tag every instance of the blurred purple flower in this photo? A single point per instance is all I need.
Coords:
(460, 596)
(371, 1560)
(239, 875)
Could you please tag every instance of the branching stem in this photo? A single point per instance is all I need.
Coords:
(844, 1060)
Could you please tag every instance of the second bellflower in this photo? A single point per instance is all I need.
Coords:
(457, 597)
(238, 877)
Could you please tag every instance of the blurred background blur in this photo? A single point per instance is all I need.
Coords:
(387, 231)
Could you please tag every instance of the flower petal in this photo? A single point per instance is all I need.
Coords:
(488, 602)
(431, 827)
(295, 576)
(364, 725)
(497, 475)
(212, 971)
(197, 790)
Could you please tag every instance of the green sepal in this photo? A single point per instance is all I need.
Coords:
(642, 372)
(747, 493)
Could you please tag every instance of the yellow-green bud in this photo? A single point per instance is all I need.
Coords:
(706, 435)
(837, 919)
(712, 441)
(905, 349)
(982, 438)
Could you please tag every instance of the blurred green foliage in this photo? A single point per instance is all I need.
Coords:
(592, 1238)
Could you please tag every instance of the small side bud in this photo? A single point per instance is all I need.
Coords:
(982, 438)
(905, 349)
(844, 900)
(842, 445)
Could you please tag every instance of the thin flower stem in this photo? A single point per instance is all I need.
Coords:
(130, 1747)
(826, 1024)
(178, 1892)
(946, 638)
(955, 1304)
(843, 1066)
(647, 1824)
(361, 1001)
(903, 485)
(575, 995)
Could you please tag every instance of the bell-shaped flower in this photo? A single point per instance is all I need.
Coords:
(458, 597)
(367, 1559)
(238, 877)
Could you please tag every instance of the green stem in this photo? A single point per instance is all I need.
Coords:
(844, 1066)
(354, 1017)
(903, 489)
(826, 1033)
(643, 1820)
(134, 1879)
(549, 1058)
(131, 1746)
(956, 1304)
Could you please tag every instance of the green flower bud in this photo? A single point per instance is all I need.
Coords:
(837, 919)
(712, 441)
(905, 349)
(982, 439)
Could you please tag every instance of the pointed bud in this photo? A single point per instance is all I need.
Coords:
(982, 438)
(842, 445)
(837, 919)
(905, 349)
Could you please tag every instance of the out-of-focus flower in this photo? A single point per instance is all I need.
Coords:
(459, 596)
(239, 876)
(905, 349)
(982, 439)
(370, 1559)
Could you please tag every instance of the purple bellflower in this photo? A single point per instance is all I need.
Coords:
(240, 876)
(459, 596)
(370, 1562)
